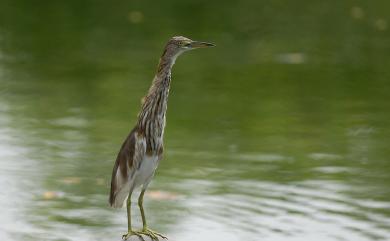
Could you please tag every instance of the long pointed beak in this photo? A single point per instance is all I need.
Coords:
(197, 44)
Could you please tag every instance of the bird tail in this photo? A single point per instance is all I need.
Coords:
(117, 200)
(120, 185)
(119, 191)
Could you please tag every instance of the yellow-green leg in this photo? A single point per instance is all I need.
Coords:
(145, 230)
(129, 230)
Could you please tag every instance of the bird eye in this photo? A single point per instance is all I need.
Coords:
(184, 44)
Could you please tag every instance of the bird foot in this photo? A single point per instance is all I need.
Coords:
(131, 233)
(148, 232)
(152, 234)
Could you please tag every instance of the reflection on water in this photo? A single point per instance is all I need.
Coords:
(280, 133)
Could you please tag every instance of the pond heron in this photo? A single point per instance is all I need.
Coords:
(142, 150)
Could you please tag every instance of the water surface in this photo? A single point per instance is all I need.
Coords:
(279, 133)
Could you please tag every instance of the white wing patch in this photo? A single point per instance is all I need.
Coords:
(144, 165)
(146, 171)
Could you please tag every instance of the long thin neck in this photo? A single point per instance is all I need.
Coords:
(151, 119)
(162, 78)
(166, 62)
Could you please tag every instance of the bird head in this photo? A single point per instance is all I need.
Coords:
(184, 43)
(179, 44)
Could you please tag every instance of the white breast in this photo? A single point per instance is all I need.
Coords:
(146, 171)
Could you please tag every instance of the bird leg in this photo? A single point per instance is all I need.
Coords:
(145, 230)
(130, 232)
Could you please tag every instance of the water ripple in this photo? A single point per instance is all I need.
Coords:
(295, 210)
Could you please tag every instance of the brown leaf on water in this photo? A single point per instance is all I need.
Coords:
(49, 195)
(71, 180)
(162, 195)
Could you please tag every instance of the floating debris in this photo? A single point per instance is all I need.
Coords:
(136, 17)
(99, 181)
(161, 195)
(291, 58)
(71, 180)
(380, 24)
(357, 12)
(49, 195)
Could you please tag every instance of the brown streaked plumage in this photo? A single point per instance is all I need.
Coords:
(142, 150)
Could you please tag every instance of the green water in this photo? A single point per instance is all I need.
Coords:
(281, 132)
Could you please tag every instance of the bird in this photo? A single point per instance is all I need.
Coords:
(142, 150)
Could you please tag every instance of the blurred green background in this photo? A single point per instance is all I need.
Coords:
(281, 132)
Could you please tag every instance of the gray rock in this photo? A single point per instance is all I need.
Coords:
(146, 238)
